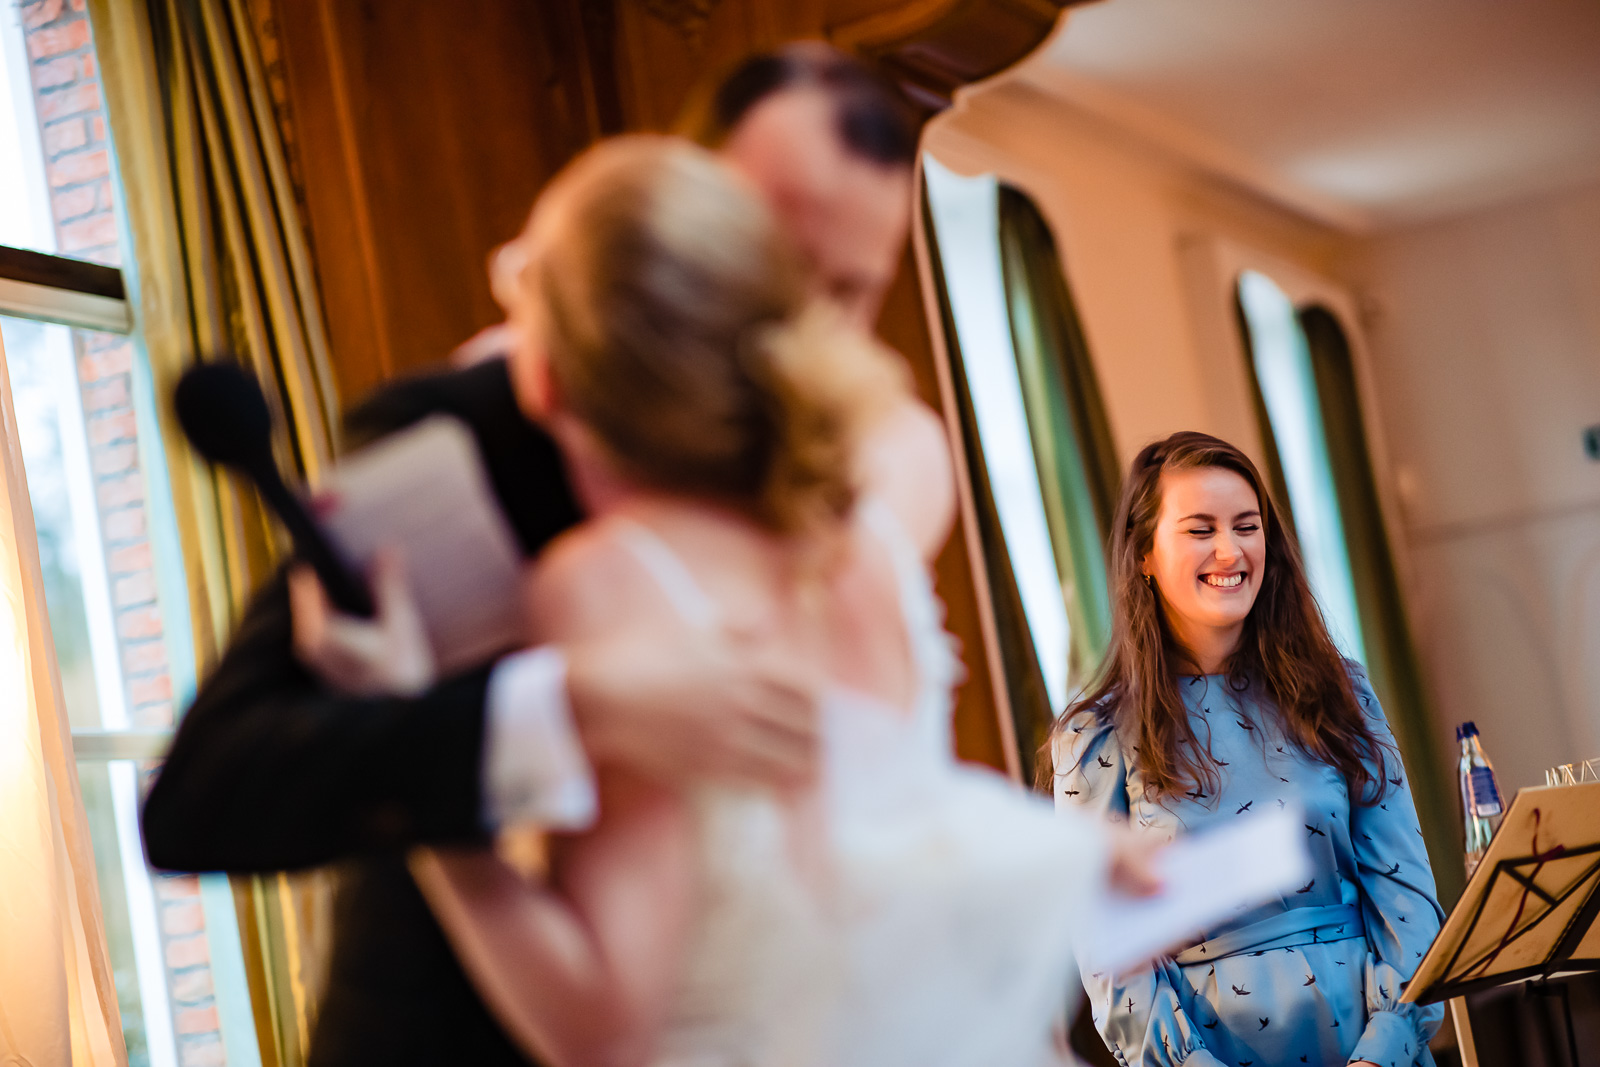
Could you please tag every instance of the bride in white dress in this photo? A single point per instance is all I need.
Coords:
(746, 460)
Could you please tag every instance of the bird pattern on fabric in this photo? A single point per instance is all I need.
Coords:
(1326, 994)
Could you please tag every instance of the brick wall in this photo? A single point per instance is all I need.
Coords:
(72, 122)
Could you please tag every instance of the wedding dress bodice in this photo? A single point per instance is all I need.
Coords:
(935, 930)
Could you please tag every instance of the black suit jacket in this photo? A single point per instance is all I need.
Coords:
(271, 771)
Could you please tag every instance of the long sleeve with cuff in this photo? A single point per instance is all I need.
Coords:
(1400, 909)
(1139, 1015)
(271, 770)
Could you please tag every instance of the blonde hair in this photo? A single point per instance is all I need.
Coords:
(679, 329)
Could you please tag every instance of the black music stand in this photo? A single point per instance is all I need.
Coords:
(1528, 912)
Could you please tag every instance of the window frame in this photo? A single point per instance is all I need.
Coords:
(69, 292)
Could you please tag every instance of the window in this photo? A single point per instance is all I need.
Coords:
(965, 215)
(1288, 389)
(1038, 448)
(108, 548)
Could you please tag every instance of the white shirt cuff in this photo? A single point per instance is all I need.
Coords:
(534, 766)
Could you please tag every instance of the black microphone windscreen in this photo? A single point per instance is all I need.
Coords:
(223, 413)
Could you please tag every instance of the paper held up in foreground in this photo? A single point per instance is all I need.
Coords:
(424, 490)
(1209, 878)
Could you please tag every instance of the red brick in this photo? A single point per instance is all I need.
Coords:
(190, 986)
(182, 917)
(97, 128)
(111, 393)
(80, 99)
(78, 5)
(110, 255)
(150, 691)
(121, 491)
(125, 525)
(54, 40)
(114, 459)
(36, 15)
(77, 167)
(135, 557)
(139, 622)
(73, 202)
(92, 232)
(144, 658)
(197, 1021)
(105, 363)
(131, 590)
(187, 951)
(119, 426)
(177, 886)
(207, 1052)
(103, 200)
(54, 72)
(91, 67)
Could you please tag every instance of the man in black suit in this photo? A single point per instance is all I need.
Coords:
(290, 756)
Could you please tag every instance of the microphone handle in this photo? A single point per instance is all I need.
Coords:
(347, 591)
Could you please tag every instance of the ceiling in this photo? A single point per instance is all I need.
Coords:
(1360, 112)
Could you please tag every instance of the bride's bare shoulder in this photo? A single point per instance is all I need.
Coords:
(585, 582)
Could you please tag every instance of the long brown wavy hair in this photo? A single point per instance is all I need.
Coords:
(1285, 647)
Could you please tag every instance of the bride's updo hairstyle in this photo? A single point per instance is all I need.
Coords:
(679, 329)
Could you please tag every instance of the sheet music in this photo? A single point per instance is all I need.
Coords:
(1210, 878)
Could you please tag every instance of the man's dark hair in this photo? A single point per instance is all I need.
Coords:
(874, 119)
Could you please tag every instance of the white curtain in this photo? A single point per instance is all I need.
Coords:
(58, 1007)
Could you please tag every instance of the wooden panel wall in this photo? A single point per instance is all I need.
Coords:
(421, 132)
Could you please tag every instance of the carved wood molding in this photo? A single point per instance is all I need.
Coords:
(936, 46)
(688, 17)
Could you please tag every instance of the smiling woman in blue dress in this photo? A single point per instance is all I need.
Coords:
(1223, 694)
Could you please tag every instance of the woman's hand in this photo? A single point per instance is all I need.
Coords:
(1134, 862)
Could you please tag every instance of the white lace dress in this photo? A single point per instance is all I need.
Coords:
(939, 936)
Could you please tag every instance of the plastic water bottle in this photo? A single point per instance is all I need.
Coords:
(1481, 807)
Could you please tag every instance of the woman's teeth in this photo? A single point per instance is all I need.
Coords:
(1222, 582)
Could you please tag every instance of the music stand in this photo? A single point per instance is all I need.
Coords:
(1528, 912)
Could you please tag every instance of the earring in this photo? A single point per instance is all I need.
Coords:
(1150, 580)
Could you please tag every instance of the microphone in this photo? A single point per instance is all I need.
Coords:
(225, 417)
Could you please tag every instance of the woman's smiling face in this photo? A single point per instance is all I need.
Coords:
(1208, 555)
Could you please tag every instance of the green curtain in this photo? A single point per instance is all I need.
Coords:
(1031, 714)
(1072, 445)
(222, 265)
(1392, 658)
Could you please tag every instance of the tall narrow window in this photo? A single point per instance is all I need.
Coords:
(1289, 393)
(112, 572)
(1035, 439)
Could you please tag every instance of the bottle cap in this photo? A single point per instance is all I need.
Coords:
(1466, 730)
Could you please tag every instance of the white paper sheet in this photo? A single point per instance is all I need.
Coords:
(1209, 878)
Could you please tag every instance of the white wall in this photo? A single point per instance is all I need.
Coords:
(1485, 332)
(1481, 362)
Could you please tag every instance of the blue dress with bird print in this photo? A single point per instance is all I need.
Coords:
(1314, 977)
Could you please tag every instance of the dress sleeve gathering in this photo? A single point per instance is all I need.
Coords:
(1398, 901)
(1138, 1014)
